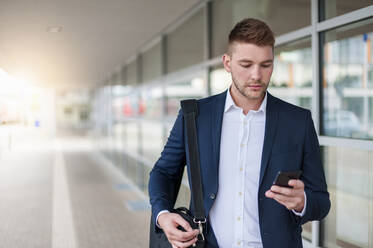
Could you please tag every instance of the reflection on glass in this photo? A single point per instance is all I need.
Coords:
(131, 105)
(279, 15)
(292, 74)
(151, 139)
(330, 9)
(349, 175)
(347, 81)
(132, 138)
(220, 80)
(151, 102)
(118, 143)
(193, 88)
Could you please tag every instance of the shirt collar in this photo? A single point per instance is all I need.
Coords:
(229, 103)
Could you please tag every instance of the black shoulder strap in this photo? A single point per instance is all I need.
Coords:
(190, 112)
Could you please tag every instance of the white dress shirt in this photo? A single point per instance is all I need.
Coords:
(234, 215)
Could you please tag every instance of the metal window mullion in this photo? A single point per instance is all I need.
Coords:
(350, 17)
(294, 35)
(162, 82)
(208, 44)
(365, 145)
(316, 94)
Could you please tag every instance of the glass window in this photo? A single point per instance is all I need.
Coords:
(330, 9)
(152, 63)
(132, 137)
(186, 89)
(185, 45)
(152, 139)
(132, 73)
(151, 104)
(292, 74)
(347, 81)
(279, 15)
(131, 105)
(349, 175)
(220, 80)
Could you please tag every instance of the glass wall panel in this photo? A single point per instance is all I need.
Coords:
(132, 137)
(333, 8)
(185, 45)
(292, 74)
(132, 73)
(131, 105)
(118, 143)
(347, 81)
(279, 15)
(220, 80)
(349, 175)
(152, 102)
(186, 89)
(152, 63)
(151, 139)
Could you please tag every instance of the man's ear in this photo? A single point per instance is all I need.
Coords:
(227, 62)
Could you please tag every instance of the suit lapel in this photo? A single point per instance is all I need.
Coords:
(217, 122)
(270, 132)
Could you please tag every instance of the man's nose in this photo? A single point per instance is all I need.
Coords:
(255, 73)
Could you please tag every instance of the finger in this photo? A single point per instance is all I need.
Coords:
(282, 190)
(288, 202)
(181, 222)
(296, 184)
(184, 244)
(176, 234)
(269, 194)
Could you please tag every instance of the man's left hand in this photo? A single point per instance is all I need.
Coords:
(291, 198)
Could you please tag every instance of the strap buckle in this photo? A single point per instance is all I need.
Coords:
(200, 236)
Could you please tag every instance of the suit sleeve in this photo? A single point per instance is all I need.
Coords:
(318, 202)
(166, 175)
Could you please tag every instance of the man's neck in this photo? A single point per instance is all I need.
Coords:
(245, 103)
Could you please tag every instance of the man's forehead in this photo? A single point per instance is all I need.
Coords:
(252, 52)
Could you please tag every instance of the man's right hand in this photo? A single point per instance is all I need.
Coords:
(178, 239)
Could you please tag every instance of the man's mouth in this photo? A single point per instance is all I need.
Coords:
(255, 86)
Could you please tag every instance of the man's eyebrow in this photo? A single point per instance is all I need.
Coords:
(250, 61)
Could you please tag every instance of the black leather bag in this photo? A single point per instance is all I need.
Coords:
(198, 220)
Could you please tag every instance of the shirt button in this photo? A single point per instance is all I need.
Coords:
(212, 196)
(238, 218)
(240, 193)
(241, 169)
(242, 145)
(238, 243)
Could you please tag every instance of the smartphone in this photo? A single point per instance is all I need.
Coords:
(283, 177)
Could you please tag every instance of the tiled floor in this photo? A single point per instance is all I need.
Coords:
(63, 193)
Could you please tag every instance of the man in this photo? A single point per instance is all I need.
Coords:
(246, 136)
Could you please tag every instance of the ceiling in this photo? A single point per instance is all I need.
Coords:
(97, 36)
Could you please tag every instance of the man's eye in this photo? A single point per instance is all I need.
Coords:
(266, 65)
(246, 66)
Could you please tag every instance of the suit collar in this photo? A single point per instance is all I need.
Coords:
(229, 103)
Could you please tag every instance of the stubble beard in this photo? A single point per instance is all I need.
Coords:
(244, 94)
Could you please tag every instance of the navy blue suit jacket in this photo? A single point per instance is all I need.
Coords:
(290, 143)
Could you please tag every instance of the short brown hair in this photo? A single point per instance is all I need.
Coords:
(252, 31)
